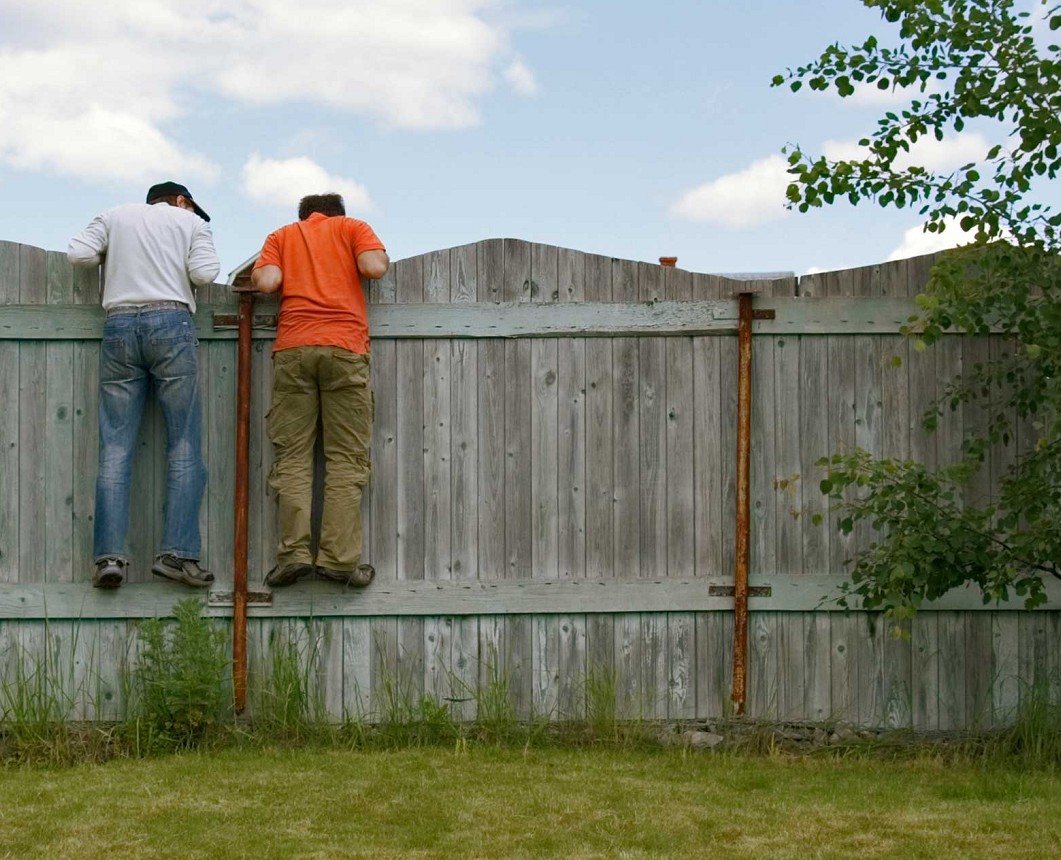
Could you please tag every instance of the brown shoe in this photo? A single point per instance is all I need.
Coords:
(361, 576)
(287, 574)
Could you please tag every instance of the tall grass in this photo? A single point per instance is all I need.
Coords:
(176, 696)
(178, 681)
(286, 700)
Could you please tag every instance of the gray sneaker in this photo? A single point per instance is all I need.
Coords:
(183, 570)
(109, 573)
(361, 576)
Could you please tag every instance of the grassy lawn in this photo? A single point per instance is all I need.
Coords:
(539, 803)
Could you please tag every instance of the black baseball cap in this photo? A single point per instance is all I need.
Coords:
(173, 189)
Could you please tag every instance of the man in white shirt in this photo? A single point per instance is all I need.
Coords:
(154, 254)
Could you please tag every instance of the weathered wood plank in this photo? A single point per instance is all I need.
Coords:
(437, 422)
(32, 417)
(517, 636)
(868, 394)
(85, 428)
(465, 668)
(789, 486)
(508, 318)
(708, 457)
(1034, 649)
(1005, 681)
(410, 434)
(952, 658)
(681, 660)
(518, 632)
(840, 418)
(763, 667)
(600, 428)
(680, 414)
(630, 698)
(714, 680)
(764, 419)
(571, 426)
(220, 428)
(326, 641)
(546, 667)
(544, 457)
(790, 666)
(813, 445)
(9, 422)
(437, 648)
(518, 411)
(817, 666)
(571, 681)
(464, 438)
(869, 642)
(843, 672)
(491, 423)
(655, 674)
(357, 668)
(383, 504)
(59, 432)
(652, 436)
(898, 677)
(925, 670)
(626, 392)
(980, 671)
(492, 595)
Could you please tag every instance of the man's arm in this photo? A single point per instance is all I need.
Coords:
(373, 264)
(86, 247)
(267, 279)
(203, 264)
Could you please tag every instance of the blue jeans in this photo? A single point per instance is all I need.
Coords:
(140, 347)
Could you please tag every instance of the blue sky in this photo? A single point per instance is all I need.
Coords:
(629, 129)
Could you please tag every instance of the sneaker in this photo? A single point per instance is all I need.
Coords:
(109, 573)
(361, 576)
(287, 574)
(183, 570)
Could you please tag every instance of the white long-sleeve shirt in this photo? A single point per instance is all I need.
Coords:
(154, 253)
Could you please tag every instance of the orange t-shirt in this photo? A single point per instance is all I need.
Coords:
(322, 303)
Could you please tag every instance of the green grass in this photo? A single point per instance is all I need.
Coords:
(470, 801)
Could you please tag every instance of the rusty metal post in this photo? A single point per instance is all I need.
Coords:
(239, 579)
(744, 432)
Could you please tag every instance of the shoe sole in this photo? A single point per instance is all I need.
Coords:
(107, 580)
(353, 579)
(291, 574)
(182, 578)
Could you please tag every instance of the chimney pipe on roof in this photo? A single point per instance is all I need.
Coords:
(669, 262)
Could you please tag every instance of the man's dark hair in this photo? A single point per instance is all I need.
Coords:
(171, 199)
(326, 204)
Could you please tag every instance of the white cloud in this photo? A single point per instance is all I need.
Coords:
(141, 68)
(916, 241)
(750, 196)
(521, 78)
(935, 155)
(284, 183)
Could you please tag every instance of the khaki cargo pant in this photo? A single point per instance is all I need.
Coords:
(333, 383)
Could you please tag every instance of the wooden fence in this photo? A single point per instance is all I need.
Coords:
(552, 500)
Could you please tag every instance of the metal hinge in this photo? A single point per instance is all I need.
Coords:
(728, 591)
(225, 599)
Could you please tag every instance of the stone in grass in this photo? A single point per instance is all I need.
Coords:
(702, 740)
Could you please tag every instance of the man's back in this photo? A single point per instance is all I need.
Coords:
(323, 300)
(153, 253)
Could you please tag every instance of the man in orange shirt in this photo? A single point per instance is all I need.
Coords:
(320, 367)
